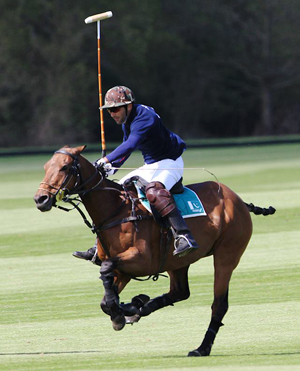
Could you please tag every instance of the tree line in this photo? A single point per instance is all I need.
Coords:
(218, 68)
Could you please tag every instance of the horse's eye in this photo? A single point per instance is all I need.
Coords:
(64, 168)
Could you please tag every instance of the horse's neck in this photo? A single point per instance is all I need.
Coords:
(101, 202)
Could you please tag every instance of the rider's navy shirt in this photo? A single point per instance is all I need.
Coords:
(145, 131)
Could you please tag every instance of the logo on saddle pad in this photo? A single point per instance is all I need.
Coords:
(187, 202)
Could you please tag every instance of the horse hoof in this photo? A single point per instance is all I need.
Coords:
(130, 320)
(118, 323)
(198, 353)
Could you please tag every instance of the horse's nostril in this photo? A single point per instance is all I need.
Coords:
(43, 202)
(41, 199)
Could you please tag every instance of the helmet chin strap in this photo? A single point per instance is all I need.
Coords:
(126, 110)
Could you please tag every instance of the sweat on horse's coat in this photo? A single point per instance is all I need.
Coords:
(127, 251)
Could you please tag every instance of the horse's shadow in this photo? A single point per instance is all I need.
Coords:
(240, 355)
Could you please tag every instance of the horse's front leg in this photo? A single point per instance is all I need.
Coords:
(120, 281)
(110, 304)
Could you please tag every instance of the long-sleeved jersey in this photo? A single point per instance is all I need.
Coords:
(145, 131)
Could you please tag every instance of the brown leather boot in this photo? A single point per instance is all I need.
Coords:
(162, 200)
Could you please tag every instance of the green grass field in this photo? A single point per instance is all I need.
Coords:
(50, 317)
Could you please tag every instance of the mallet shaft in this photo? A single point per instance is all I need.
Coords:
(103, 143)
(97, 18)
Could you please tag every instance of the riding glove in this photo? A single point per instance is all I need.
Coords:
(106, 166)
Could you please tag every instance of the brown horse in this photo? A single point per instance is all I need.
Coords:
(131, 244)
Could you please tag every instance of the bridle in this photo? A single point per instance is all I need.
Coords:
(63, 192)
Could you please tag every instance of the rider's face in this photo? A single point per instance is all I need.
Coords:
(119, 114)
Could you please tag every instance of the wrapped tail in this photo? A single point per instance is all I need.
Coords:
(260, 210)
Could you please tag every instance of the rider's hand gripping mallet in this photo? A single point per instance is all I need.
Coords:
(97, 18)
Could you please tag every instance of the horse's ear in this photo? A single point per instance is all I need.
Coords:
(79, 149)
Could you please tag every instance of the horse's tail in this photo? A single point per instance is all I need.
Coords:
(260, 210)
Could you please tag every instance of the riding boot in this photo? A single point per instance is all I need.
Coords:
(90, 254)
(163, 202)
(184, 242)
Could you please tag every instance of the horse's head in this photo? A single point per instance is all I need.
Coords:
(61, 176)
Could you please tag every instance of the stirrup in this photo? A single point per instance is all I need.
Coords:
(183, 245)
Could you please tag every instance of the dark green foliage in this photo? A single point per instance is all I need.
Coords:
(210, 68)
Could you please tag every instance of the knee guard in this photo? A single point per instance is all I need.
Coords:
(160, 198)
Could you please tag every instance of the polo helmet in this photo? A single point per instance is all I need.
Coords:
(118, 96)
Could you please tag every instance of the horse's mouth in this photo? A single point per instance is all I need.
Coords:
(44, 202)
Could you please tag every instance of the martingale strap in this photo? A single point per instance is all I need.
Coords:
(97, 230)
(124, 220)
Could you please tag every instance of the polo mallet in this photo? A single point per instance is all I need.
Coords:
(97, 18)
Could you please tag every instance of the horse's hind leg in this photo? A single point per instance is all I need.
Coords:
(179, 290)
(219, 309)
(142, 306)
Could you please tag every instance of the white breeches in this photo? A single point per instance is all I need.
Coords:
(168, 172)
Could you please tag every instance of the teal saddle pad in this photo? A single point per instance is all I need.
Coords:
(187, 202)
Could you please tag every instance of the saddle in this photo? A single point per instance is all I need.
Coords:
(186, 200)
(140, 185)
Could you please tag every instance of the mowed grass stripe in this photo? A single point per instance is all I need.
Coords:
(29, 220)
(42, 240)
(281, 199)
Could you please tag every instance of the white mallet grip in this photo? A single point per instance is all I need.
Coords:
(98, 17)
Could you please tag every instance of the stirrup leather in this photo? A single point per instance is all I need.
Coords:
(93, 260)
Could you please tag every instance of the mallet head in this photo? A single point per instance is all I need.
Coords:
(98, 17)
